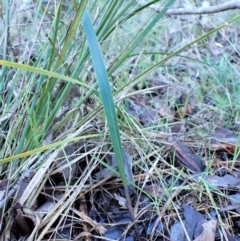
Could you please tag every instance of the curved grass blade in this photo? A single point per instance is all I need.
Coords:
(43, 72)
(47, 147)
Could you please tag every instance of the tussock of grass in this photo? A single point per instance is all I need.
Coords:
(165, 73)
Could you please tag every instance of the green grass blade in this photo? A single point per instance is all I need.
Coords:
(71, 32)
(139, 37)
(42, 72)
(48, 147)
(177, 52)
(106, 93)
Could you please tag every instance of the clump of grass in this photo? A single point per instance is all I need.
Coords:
(51, 100)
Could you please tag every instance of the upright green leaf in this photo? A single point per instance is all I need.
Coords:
(106, 93)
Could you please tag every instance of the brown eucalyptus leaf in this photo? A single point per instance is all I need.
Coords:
(177, 128)
(226, 181)
(45, 208)
(143, 112)
(21, 221)
(186, 156)
(223, 133)
(22, 216)
(28, 213)
(177, 232)
(223, 139)
(209, 230)
(192, 218)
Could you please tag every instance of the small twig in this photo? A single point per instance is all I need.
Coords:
(130, 209)
(230, 5)
(206, 10)
(24, 175)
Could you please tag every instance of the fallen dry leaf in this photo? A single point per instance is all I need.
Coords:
(186, 156)
(192, 218)
(21, 220)
(145, 114)
(223, 139)
(177, 232)
(226, 181)
(208, 233)
(26, 219)
(45, 208)
(178, 128)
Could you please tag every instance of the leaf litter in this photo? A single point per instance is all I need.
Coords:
(97, 210)
(103, 214)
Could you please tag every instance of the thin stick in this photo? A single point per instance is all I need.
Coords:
(202, 10)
